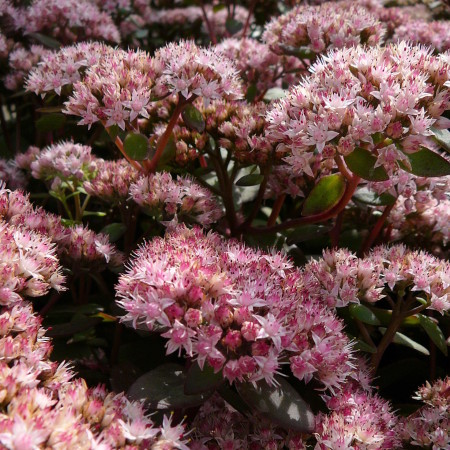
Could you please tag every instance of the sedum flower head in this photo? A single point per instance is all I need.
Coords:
(429, 427)
(340, 278)
(171, 199)
(392, 94)
(76, 246)
(233, 308)
(316, 29)
(64, 161)
(435, 34)
(195, 71)
(69, 20)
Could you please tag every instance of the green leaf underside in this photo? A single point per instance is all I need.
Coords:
(163, 388)
(193, 118)
(402, 339)
(281, 404)
(325, 195)
(434, 333)
(364, 314)
(136, 146)
(362, 163)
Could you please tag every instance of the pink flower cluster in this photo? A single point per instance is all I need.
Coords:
(44, 406)
(112, 180)
(118, 86)
(195, 71)
(28, 264)
(435, 33)
(65, 161)
(258, 65)
(68, 20)
(171, 199)
(65, 67)
(340, 278)
(76, 246)
(394, 94)
(331, 25)
(429, 427)
(239, 310)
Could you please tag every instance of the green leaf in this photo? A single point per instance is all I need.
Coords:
(364, 314)
(76, 325)
(163, 388)
(251, 93)
(401, 339)
(442, 137)
(136, 146)
(114, 231)
(141, 34)
(94, 213)
(168, 154)
(219, 7)
(325, 194)
(193, 118)
(199, 381)
(434, 332)
(362, 163)
(306, 233)
(426, 163)
(233, 26)
(50, 109)
(51, 122)
(368, 197)
(252, 179)
(280, 404)
(45, 40)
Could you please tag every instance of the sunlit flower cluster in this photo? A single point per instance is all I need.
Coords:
(28, 264)
(69, 20)
(170, 200)
(233, 308)
(429, 427)
(384, 100)
(65, 161)
(44, 406)
(435, 33)
(76, 246)
(340, 278)
(195, 71)
(314, 29)
(65, 67)
(259, 67)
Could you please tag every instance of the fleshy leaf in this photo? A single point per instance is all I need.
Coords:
(51, 122)
(281, 404)
(114, 231)
(362, 163)
(402, 339)
(168, 154)
(193, 118)
(252, 179)
(364, 314)
(325, 194)
(307, 232)
(368, 197)
(442, 137)
(426, 163)
(199, 381)
(233, 26)
(434, 332)
(163, 388)
(136, 146)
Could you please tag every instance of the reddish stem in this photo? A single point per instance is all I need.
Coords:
(247, 22)
(164, 139)
(212, 35)
(376, 230)
(276, 210)
(349, 191)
